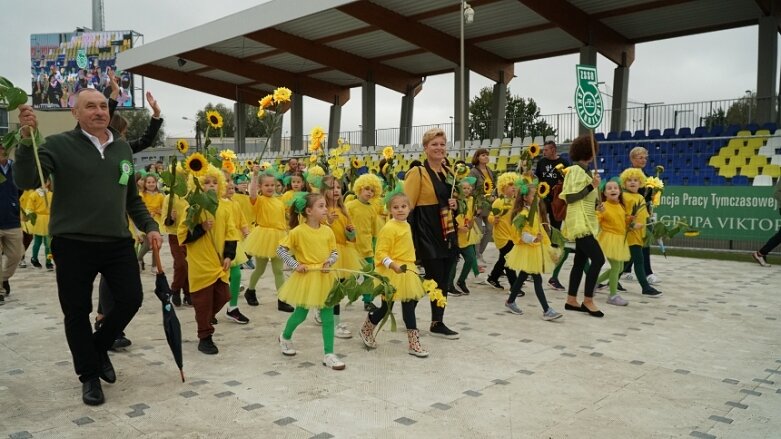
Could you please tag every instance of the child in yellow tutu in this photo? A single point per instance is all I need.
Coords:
(635, 206)
(362, 211)
(469, 235)
(240, 222)
(269, 231)
(310, 250)
(394, 250)
(532, 253)
(37, 204)
(504, 232)
(612, 238)
(153, 200)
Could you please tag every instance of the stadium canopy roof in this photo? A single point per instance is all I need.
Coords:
(323, 48)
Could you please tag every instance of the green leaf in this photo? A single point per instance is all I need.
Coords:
(32, 217)
(393, 322)
(557, 238)
(403, 268)
(15, 97)
(519, 221)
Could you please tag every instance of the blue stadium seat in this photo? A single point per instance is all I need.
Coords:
(599, 137)
(612, 136)
(731, 130)
(717, 130)
(639, 135)
(740, 180)
(654, 134)
(770, 126)
(752, 127)
(625, 135)
(700, 131)
(668, 133)
(685, 132)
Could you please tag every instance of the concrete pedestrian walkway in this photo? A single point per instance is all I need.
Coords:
(703, 361)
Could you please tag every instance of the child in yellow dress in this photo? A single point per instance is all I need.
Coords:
(240, 222)
(504, 232)
(469, 235)
(613, 238)
(37, 204)
(269, 231)
(395, 250)
(310, 250)
(532, 253)
(344, 231)
(634, 204)
(211, 247)
(153, 200)
(294, 183)
(363, 213)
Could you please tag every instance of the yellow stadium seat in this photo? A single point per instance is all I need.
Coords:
(513, 159)
(756, 143)
(716, 161)
(772, 170)
(762, 133)
(493, 152)
(501, 164)
(743, 133)
(749, 171)
(727, 171)
(758, 160)
(735, 143)
(727, 151)
(747, 151)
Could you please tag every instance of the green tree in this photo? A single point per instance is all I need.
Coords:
(254, 127)
(522, 117)
(138, 121)
(740, 112)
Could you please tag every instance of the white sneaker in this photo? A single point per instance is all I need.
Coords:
(286, 346)
(342, 331)
(316, 317)
(627, 276)
(333, 362)
(653, 280)
(480, 279)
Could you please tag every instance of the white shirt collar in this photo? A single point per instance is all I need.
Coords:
(96, 141)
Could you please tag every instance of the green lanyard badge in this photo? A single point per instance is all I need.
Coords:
(127, 169)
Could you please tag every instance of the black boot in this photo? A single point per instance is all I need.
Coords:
(206, 345)
(186, 299)
(176, 299)
(252, 299)
(284, 307)
(92, 392)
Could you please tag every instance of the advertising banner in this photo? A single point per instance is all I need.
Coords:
(740, 213)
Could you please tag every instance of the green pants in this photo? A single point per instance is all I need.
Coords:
(470, 264)
(299, 316)
(367, 298)
(260, 268)
(235, 286)
(616, 267)
(636, 251)
(37, 241)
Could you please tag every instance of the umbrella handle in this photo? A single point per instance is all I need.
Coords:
(156, 256)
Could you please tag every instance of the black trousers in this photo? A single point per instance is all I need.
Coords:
(407, 313)
(500, 265)
(586, 249)
(646, 262)
(78, 263)
(771, 243)
(438, 270)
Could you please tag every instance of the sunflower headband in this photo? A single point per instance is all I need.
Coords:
(523, 185)
(241, 178)
(470, 180)
(298, 202)
(604, 183)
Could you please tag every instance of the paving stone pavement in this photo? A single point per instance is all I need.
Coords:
(703, 361)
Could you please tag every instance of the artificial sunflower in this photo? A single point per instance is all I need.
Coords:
(429, 285)
(659, 169)
(543, 190)
(315, 145)
(265, 165)
(182, 146)
(266, 101)
(488, 187)
(282, 95)
(385, 168)
(654, 183)
(227, 154)
(527, 178)
(249, 164)
(345, 148)
(534, 150)
(317, 133)
(313, 158)
(562, 169)
(461, 171)
(356, 163)
(214, 119)
(437, 296)
(338, 173)
(691, 234)
(316, 171)
(387, 152)
(228, 166)
(196, 164)
(261, 113)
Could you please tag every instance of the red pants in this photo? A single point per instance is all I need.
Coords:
(207, 303)
(179, 252)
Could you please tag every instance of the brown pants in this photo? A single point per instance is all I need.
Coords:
(179, 253)
(207, 303)
(11, 250)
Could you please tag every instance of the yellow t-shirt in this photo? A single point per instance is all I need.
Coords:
(205, 254)
(467, 238)
(269, 212)
(581, 217)
(180, 207)
(395, 242)
(364, 217)
(613, 219)
(154, 204)
(504, 231)
(239, 220)
(246, 206)
(36, 203)
(339, 226)
(310, 246)
(286, 197)
(637, 236)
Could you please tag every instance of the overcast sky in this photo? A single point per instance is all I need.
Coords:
(717, 65)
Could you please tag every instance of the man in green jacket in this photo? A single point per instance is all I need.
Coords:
(91, 169)
(761, 255)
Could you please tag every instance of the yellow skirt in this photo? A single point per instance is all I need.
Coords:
(532, 259)
(41, 226)
(408, 284)
(348, 259)
(263, 242)
(241, 254)
(614, 246)
(307, 290)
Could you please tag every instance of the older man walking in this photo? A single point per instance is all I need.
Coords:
(11, 248)
(93, 192)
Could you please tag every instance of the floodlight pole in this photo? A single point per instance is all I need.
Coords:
(462, 131)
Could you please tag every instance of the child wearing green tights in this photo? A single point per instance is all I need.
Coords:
(612, 238)
(240, 221)
(635, 206)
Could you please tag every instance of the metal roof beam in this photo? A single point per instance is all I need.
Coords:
(215, 87)
(312, 87)
(478, 60)
(365, 69)
(771, 8)
(586, 29)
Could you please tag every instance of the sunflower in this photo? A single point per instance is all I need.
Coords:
(313, 158)
(316, 171)
(315, 144)
(429, 285)
(282, 95)
(345, 148)
(317, 133)
(196, 164)
(266, 101)
(332, 162)
(534, 150)
(387, 152)
(249, 164)
(356, 163)
(338, 173)
(214, 119)
(182, 146)
(461, 171)
(691, 234)
(488, 187)
(659, 169)
(228, 166)
(543, 189)
(654, 183)
(562, 169)
(261, 113)
(227, 154)
(265, 165)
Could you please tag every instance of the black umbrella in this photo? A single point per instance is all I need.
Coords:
(173, 330)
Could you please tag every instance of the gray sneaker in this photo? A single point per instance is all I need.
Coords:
(760, 258)
(513, 308)
(617, 300)
(551, 314)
